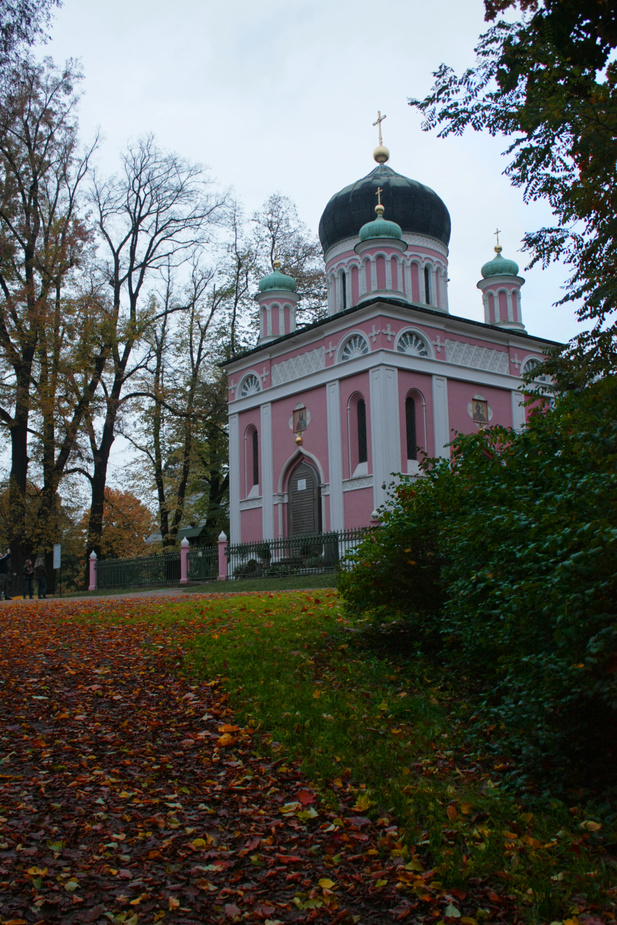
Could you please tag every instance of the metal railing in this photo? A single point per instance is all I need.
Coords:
(293, 555)
(140, 572)
(203, 563)
(307, 554)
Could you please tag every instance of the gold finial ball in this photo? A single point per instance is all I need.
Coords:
(299, 439)
(276, 264)
(498, 249)
(380, 210)
(381, 154)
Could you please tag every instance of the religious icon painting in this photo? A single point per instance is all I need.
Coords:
(300, 420)
(479, 411)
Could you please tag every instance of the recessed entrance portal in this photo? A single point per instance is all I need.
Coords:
(304, 501)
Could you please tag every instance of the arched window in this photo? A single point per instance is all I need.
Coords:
(427, 286)
(361, 423)
(343, 289)
(255, 448)
(251, 461)
(415, 439)
(411, 428)
(413, 344)
(354, 347)
(357, 435)
(530, 365)
(250, 385)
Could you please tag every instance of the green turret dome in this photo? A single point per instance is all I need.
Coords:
(380, 228)
(277, 280)
(499, 266)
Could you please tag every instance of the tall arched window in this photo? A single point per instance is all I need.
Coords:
(251, 461)
(343, 289)
(255, 442)
(415, 442)
(411, 428)
(357, 435)
(361, 421)
(427, 286)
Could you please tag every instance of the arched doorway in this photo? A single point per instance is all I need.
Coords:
(303, 501)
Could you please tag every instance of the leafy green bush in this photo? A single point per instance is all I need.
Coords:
(504, 559)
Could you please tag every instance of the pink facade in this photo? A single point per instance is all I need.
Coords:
(323, 419)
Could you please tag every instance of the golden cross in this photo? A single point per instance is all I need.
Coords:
(379, 192)
(497, 233)
(380, 119)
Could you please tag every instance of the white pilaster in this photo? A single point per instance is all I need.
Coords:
(234, 480)
(362, 278)
(441, 422)
(267, 473)
(407, 287)
(385, 431)
(518, 410)
(335, 456)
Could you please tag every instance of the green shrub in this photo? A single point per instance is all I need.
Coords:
(504, 559)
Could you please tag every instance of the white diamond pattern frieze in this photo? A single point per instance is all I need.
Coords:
(462, 354)
(301, 365)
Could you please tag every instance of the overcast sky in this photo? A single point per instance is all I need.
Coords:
(280, 95)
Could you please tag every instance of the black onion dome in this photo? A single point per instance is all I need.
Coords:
(413, 206)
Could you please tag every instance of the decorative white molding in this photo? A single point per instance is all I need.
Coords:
(384, 429)
(518, 411)
(234, 479)
(354, 484)
(335, 455)
(462, 354)
(441, 419)
(250, 504)
(301, 365)
(267, 470)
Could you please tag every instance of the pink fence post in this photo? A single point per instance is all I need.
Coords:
(92, 585)
(222, 556)
(184, 562)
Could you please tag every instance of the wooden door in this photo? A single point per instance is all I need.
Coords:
(304, 501)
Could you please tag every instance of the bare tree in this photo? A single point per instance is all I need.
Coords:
(278, 233)
(157, 214)
(175, 412)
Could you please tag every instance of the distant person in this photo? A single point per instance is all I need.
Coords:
(4, 576)
(28, 579)
(41, 578)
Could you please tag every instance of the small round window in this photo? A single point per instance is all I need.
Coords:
(356, 346)
(412, 344)
(250, 386)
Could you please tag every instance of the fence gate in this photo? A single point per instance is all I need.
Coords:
(304, 501)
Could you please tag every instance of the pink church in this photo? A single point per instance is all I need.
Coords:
(322, 418)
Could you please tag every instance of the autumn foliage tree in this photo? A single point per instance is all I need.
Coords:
(127, 524)
(43, 242)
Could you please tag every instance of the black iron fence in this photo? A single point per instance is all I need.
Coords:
(203, 563)
(293, 555)
(163, 569)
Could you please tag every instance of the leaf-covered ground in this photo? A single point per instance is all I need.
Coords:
(129, 794)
